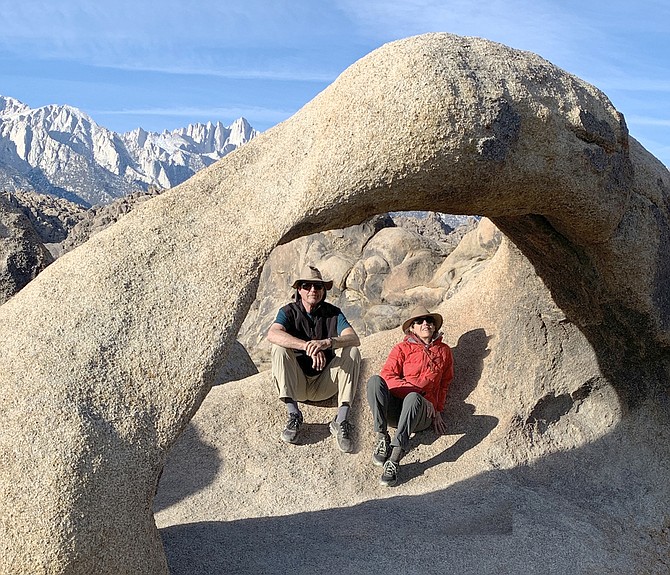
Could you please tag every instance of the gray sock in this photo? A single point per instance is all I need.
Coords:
(396, 454)
(291, 406)
(342, 413)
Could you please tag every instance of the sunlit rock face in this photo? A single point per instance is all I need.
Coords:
(108, 353)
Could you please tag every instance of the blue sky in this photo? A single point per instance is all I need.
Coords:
(165, 64)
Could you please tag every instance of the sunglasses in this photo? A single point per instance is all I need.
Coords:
(309, 285)
(420, 320)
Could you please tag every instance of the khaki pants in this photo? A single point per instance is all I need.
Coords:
(339, 377)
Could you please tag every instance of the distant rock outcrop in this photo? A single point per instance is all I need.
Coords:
(379, 270)
(52, 218)
(22, 254)
(109, 352)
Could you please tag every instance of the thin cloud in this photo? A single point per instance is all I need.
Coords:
(265, 115)
(281, 72)
(647, 121)
(172, 37)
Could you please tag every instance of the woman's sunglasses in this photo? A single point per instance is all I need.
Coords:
(420, 320)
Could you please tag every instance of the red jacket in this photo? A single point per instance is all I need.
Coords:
(414, 366)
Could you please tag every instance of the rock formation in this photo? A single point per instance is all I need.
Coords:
(52, 217)
(378, 271)
(538, 472)
(108, 354)
(22, 254)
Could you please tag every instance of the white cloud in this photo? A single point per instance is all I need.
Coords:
(285, 40)
(275, 71)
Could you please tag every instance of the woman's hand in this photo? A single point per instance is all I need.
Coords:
(439, 426)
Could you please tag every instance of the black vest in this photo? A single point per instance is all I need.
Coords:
(321, 325)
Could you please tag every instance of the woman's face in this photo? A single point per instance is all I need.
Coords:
(423, 327)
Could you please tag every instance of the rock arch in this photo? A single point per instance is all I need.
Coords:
(109, 352)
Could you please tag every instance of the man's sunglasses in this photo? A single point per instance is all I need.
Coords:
(427, 319)
(309, 285)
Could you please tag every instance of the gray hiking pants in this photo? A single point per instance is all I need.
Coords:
(407, 415)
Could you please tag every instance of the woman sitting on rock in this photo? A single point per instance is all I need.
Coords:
(410, 392)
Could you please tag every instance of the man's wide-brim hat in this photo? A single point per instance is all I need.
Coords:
(311, 274)
(418, 312)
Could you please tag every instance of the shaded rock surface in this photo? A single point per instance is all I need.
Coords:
(22, 254)
(51, 217)
(110, 351)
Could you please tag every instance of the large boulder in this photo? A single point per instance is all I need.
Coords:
(109, 352)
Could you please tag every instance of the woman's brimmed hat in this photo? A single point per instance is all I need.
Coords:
(311, 274)
(418, 312)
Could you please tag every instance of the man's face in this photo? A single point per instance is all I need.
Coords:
(312, 292)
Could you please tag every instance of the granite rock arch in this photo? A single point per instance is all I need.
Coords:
(109, 352)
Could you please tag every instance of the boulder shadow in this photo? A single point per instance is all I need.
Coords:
(311, 433)
(469, 354)
(178, 480)
(353, 539)
(566, 513)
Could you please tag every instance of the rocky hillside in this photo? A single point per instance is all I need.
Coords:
(22, 253)
(379, 269)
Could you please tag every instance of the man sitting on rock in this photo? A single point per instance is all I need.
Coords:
(314, 356)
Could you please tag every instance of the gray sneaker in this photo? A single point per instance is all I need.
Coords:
(382, 450)
(390, 475)
(342, 431)
(290, 433)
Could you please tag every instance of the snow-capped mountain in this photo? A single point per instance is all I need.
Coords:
(62, 152)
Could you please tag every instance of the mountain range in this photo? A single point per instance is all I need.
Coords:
(60, 151)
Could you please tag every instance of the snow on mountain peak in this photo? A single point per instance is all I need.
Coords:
(11, 106)
(61, 151)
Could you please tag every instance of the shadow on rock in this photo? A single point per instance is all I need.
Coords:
(372, 537)
(573, 512)
(178, 480)
(469, 354)
(311, 433)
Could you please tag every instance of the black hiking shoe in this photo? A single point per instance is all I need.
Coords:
(390, 475)
(382, 450)
(342, 431)
(293, 424)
